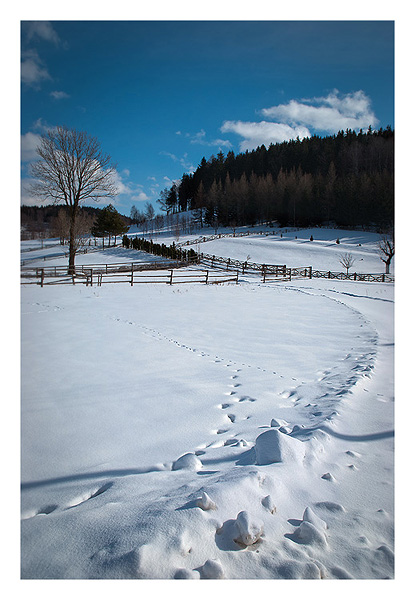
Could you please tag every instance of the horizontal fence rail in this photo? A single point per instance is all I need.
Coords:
(96, 269)
(377, 277)
(135, 276)
(244, 266)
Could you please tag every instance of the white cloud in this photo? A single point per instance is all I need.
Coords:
(26, 197)
(200, 138)
(141, 197)
(127, 188)
(41, 29)
(187, 166)
(264, 132)
(32, 69)
(59, 95)
(330, 114)
(28, 144)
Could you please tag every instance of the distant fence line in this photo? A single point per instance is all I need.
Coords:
(376, 277)
(282, 272)
(217, 236)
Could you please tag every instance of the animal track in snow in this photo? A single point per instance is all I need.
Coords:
(246, 399)
(45, 510)
(90, 495)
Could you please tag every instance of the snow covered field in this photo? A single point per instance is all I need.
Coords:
(280, 398)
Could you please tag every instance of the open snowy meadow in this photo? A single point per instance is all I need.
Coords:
(233, 431)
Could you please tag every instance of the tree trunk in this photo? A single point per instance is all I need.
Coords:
(72, 242)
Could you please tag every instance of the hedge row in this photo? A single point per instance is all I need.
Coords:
(171, 251)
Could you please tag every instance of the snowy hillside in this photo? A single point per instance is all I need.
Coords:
(211, 432)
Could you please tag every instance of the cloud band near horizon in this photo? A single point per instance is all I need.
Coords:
(301, 119)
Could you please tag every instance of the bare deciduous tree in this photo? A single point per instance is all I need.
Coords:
(347, 261)
(72, 168)
(386, 250)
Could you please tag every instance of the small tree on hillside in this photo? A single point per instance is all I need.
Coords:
(111, 223)
(386, 250)
(347, 261)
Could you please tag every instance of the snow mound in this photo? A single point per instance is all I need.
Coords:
(188, 461)
(278, 423)
(272, 446)
(186, 574)
(311, 517)
(268, 503)
(212, 569)
(307, 533)
(249, 530)
(205, 502)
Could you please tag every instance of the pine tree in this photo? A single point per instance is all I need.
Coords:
(111, 223)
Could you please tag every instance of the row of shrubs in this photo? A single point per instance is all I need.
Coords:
(171, 251)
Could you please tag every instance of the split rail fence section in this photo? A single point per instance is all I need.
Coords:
(131, 273)
(267, 272)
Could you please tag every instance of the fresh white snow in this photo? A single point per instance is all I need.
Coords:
(197, 432)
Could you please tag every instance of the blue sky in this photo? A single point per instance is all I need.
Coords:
(160, 95)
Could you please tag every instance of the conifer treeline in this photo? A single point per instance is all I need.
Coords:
(346, 178)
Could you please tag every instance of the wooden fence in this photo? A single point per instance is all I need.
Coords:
(288, 274)
(216, 236)
(134, 276)
(376, 277)
(230, 269)
(96, 269)
(244, 266)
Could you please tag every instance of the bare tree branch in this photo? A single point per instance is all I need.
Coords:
(72, 168)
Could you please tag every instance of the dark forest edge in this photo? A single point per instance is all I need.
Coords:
(345, 180)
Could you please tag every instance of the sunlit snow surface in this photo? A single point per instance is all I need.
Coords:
(119, 382)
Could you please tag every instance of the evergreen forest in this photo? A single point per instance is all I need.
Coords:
(346, 180)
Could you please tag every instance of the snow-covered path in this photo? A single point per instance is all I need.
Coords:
(119, 382)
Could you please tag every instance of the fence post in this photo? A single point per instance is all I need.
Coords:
(42, 276)
(237, 276)
(207, 276)
(132, 273)
(227, 264)
(171, 277)
(329, 275)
